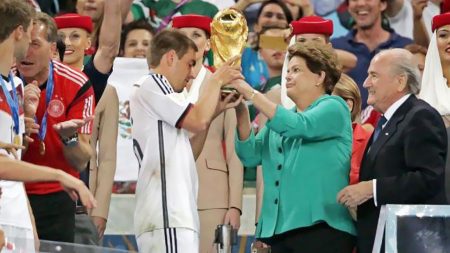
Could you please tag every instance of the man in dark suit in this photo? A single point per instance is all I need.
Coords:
(404, 162)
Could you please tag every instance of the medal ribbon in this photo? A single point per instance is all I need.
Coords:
(48, 96)
(13, 102)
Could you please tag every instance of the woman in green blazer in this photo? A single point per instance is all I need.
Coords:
(305, 154)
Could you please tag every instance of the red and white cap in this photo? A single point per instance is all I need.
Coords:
(440, 20)
(192, 20)
(73, 20)
(312, 24)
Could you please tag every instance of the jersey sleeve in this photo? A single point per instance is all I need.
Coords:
(166, 105)
(83, 107)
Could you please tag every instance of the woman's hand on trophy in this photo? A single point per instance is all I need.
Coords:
(227, 73)
(242, 87)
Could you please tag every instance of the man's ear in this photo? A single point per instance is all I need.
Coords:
(170, 57)
(402, 82)
(53, 49)
(19, 32)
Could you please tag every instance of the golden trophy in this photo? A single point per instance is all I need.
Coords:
(229, 33)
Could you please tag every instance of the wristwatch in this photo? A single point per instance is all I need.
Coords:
(70, 141)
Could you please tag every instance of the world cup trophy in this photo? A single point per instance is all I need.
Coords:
(229, 33)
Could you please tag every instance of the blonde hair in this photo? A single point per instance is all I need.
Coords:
(346, 88)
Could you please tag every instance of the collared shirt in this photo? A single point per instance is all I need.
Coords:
(167, 185)
(359, 73)
(64, 105)
(388, 115)
(305, 164)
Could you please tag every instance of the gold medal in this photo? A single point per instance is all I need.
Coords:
(42, 148)
(16, 140)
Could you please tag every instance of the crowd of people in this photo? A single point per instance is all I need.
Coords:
(340, 107)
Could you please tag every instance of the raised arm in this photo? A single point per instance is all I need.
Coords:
(109, 36)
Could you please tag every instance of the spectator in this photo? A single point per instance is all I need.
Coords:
(220, 172)
(367, 38)
(297, 9)
(64, 114)
(135, 39)
(272, 54)
(299, 209)
(405, 17)
(402, 164)
(272, 49)
(300, 8)
(272, 12)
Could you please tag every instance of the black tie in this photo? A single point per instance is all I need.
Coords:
(378, 129)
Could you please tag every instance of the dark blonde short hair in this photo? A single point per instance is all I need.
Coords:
(318, 57)
(165, 41)
(346, 88)
(50, 25)
(14, 13)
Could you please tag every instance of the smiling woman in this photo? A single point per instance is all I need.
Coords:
(77, 40)
(135, 40)
(436, 75)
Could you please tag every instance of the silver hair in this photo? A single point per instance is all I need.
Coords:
(404, 63)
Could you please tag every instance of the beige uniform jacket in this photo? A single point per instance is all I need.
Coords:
(220, 178)
(104, 140)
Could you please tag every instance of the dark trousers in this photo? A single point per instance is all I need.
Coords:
(85, 230)
(54, 214)
(319, 238)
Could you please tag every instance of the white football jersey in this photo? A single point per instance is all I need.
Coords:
(166, 192)
(13, 202)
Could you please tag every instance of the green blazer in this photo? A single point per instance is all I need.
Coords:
(306, 161)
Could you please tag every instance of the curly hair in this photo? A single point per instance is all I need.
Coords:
(318, 57)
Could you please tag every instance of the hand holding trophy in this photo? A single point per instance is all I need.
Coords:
(229, 33)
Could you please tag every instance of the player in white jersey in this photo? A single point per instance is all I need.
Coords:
(15, 213)
(166, 218)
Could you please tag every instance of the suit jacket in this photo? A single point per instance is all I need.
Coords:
(220, 173)
(408, 161)
(104, 143)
